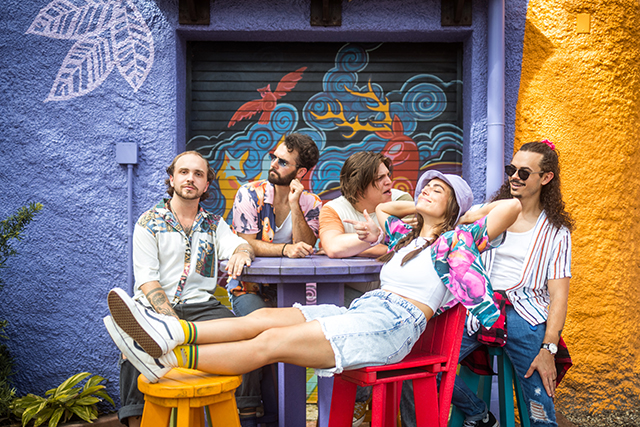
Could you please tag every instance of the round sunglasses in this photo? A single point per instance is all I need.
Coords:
(281, 162)
(522, 174)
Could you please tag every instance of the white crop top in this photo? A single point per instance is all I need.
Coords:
(417, 279)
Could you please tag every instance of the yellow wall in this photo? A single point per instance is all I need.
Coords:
(582, 91)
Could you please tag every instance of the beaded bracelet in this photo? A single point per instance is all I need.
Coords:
(379, 240)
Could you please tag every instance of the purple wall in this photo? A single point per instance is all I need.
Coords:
(62, 154)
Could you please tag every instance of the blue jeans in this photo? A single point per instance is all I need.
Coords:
(522, 346)
(379, 328)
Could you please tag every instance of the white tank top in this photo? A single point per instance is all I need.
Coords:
(508, 261)
(284, 233)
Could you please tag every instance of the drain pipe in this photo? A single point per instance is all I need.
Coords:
(127, 154)
(495, 97)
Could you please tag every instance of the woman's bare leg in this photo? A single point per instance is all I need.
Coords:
(232, 329)
(302, 344)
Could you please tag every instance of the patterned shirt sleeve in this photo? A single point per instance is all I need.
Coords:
(245, 211)
(560, 265)
(226, 241)
(311, 205)
(146, 264)
(395, 229)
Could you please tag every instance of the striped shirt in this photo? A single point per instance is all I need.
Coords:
(548, 258)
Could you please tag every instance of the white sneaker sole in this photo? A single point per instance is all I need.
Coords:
(136, 324)
(120, 340)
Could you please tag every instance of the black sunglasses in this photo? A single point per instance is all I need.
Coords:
(522, 174)
(281, 162)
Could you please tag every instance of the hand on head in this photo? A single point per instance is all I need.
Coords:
(296, 189)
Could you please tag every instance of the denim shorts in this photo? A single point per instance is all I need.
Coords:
(378, 328)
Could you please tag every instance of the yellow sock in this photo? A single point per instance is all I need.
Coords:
(190, 331)
(187, 356)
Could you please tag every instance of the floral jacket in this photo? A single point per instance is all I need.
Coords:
(456, 259)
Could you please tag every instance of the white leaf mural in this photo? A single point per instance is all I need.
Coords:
(107, 33)
(62, 19)
(132, 44)
(86, 66)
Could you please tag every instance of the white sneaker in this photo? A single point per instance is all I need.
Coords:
(151, 368)
(489, 420)
(156, 333)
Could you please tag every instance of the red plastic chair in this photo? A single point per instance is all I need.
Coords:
(436, 352)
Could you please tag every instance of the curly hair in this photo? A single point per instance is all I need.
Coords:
(210, 174)
(359, 171)
(308, 153)
(550, 195)
(450, 215)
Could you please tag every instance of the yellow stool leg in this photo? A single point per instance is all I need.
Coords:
(187, 416)
(224, 413)
(155, 415)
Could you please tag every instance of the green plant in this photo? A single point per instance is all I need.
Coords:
(10, 229)
(67, 400)
(7, 391)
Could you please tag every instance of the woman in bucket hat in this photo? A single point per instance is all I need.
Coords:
(431, 268)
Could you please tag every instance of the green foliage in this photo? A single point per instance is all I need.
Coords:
(7, 392)
(11, 228)
(64, 402)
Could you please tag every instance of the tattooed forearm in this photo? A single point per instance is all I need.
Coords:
(159, 301)
(167, 312)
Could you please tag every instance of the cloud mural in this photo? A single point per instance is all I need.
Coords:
(359, 114)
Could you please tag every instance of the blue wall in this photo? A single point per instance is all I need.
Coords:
(62, 154)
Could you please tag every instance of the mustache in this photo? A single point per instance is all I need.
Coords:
(516, 181)
(189, 185)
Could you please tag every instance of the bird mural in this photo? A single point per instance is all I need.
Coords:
(268, 100)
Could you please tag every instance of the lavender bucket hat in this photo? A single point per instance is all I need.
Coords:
(462, 191)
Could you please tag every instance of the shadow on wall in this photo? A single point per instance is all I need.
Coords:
(537, 49)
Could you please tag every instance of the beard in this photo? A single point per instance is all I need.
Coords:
(188, 195)
(276, 179)
(511, 190)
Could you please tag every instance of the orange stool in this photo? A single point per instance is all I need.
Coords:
(189, 391)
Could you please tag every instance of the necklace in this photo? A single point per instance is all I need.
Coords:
(187, 230)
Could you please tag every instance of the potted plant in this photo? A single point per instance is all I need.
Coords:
(64, 402)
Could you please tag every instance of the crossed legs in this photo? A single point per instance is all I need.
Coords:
(228, 346)
(269, 335)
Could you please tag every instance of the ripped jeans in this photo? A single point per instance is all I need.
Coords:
(522, 346)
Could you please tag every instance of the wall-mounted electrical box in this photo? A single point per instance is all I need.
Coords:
(583, 23)
(127, 153)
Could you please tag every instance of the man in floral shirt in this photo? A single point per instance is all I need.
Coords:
(278, 217)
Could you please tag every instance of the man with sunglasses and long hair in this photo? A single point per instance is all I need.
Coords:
(530, 276)
(278, 217)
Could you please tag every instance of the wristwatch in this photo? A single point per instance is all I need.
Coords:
(550, 347)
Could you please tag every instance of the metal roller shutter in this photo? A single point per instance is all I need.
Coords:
(402, 99)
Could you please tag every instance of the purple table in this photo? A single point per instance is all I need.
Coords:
(291, 276)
